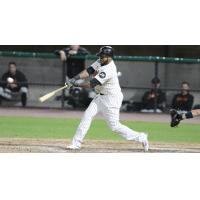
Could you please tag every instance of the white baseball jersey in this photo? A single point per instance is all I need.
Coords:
(107, 104)
(107, 76)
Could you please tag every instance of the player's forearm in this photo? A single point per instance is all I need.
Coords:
(84, 74)
(88, 84)
(85, 84)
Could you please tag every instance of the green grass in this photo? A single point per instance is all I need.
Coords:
(30, 127)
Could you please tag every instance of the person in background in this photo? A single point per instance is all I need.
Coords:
(184, 100)
(74, 65)
(13, 81)
(149, 98)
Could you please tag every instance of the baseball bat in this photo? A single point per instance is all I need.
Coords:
(49, 95)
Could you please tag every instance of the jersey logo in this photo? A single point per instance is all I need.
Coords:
(102, 75)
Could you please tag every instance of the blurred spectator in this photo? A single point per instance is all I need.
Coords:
(150, 97)
(184, 100)
(13, 81)
(77, 97)
(148, 100)
(74, 66)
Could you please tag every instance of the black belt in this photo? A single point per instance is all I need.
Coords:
(101, 94)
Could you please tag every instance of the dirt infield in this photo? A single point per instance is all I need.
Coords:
(90, 146)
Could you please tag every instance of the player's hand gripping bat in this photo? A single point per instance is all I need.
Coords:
(51, 94)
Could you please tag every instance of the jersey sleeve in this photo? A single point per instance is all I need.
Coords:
(103, 76)
(96, 64)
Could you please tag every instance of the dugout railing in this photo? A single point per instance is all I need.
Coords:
(137, 71)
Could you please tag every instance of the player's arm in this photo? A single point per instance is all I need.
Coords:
(83, 75)
(88, 84)
(99, 79)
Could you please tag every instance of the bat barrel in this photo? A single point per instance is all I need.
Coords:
(49, 95)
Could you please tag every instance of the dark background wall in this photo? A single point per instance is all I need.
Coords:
(190, 51)
(135, 75)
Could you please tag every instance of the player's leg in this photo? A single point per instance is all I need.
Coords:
(23, 91)
(176, 116)
(1, 93)
(84, 126)
(5, 93)
(112, 118)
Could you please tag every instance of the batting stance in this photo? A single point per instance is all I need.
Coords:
(108, 100)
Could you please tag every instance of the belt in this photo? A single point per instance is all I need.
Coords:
(101, 94)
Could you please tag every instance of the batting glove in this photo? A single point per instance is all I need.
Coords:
(73, 82)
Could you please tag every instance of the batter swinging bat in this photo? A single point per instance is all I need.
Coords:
(49, 95)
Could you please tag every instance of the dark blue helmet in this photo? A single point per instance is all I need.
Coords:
(106, 51)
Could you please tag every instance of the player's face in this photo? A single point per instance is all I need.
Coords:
(104, 60)
(185, 88)
(12, 69)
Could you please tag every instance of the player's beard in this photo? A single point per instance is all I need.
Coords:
(105, 60)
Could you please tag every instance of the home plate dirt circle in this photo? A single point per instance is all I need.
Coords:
(8, 145)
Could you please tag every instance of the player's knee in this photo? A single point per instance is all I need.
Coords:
(88, 114)
(87, 117)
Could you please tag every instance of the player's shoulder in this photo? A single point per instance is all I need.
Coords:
(19, 73)
(111, 66)
(107, 71)
(6, 74)
(96, 63)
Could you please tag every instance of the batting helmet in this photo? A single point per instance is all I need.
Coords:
(106, 51)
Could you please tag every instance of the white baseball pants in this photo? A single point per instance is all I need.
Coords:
(109, 107)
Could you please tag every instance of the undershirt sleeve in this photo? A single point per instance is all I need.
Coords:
(90, 70)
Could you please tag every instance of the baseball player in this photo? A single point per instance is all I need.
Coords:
(176, 117)
(108, 100)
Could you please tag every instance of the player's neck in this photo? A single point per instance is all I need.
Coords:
(108, 61)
